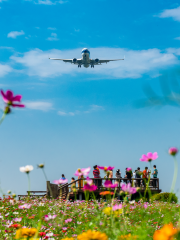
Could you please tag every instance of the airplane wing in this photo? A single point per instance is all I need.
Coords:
(64, 60)
(105, 61)
(98, 61)
(77, 61)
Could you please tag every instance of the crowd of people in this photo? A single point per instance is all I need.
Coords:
(137, 178)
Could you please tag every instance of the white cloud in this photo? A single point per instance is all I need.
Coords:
(49, 2)
(15, 34)
(137, 62)
(92, 108)
(53, 37)
(53, 29)
(39, 105)
(177, 38)
(174, 13)
(5, 69)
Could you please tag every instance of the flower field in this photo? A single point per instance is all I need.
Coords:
(56, 219)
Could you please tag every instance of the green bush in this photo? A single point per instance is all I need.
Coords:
(165, 197)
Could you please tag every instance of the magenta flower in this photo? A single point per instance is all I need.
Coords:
(106, 168)
(116, 207)
(173, 151)
(108, 184)
(11, 100)
(90, 188)
(82, 172)
(129, 169)
(149, 157)
(49, 217)
(60, 181)
(128, 189)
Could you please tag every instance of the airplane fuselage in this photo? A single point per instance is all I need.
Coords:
(86, 57)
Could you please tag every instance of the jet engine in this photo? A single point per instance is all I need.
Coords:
(74, 60)
(96, 60)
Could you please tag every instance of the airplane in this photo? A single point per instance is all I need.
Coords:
(85, 60)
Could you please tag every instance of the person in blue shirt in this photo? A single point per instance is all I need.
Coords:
(63, 177)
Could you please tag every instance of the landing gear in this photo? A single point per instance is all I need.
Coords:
(92, 66)
(79, 66)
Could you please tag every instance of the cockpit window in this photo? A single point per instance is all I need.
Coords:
(85, 51)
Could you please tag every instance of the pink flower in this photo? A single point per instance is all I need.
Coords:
(106, 168)
(89, 181)
(127, 188)
(49, 217)
(60, 181)
(129, 169)
(173, 151)
(145, 205)
(108, 184)
(10, 99)
(25, 206)
(17, 219)
(149, 157)
(90, 188)
(116, 207)
(68, 220)
(82, 171)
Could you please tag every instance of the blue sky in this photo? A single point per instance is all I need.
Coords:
(81, 117)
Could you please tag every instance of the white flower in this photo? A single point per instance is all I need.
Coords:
(26, 169)
(9, 192)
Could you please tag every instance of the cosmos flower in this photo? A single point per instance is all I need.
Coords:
(116, 207)
(88, 181)
(129, 169)
(60, 181)
(17, 219)
(10, 99)
(173, 151)
(68, 220)
(106, 168)
(90, 188)
(25, 206)
(108, 184)
(41, 165)
(82, 172)
(92, 235)
(127, 188)
(49, 217)
(149, 157)
(25, 232)
(106, 193)
(26, 169)
(167, 232)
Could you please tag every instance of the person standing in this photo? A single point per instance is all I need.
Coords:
(145, 176)
(134, 176)
(129, 174)
(155, 173)
(118, 174)
(96, 175)
(111, 175)
(138, 175)
(63, 177)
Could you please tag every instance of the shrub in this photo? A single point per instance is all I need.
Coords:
(165, 197)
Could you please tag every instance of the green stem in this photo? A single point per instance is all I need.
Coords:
(175, 174)
(29, 184)
(2, 118)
